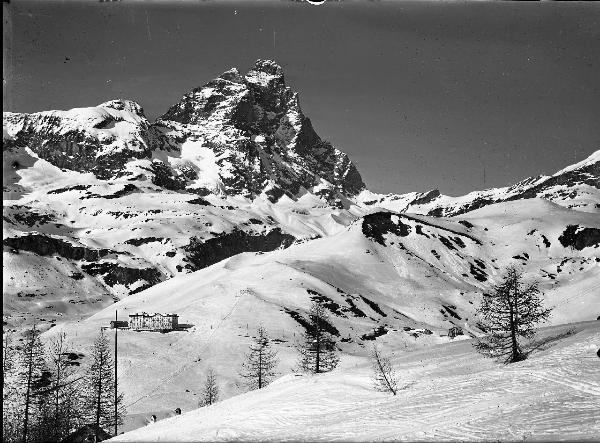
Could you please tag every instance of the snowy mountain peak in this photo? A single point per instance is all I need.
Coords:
(265, 73)
(232, 75)
(124, 105)
(265, 144)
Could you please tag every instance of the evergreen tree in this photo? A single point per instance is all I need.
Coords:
(98, 388)
(318, 350)
(511, 311)
(258, 369)
(210, 391)
(385, 378)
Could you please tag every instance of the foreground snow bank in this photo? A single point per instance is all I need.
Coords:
(450, 393)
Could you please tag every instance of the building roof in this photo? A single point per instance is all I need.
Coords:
(145, 314)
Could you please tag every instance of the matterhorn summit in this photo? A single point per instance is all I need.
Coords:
(261, 140)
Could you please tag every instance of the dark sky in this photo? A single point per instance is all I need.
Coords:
(420, 95)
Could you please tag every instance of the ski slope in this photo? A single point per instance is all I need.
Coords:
(449, 393)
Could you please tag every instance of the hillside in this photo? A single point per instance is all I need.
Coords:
(449, 394)
(400, 280)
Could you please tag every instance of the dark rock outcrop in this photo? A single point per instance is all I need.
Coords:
(426, 198)
(115, 273)
(578, 238)
(211, 251)
(376, 225)
(46, 245)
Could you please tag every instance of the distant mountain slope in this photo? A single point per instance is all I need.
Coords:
(576, 187)
(99, 139)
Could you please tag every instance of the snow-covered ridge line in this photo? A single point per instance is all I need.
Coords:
(576, 186)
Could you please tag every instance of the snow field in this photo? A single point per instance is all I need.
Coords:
(450, 393)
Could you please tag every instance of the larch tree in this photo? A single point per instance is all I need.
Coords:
(385, 378)
(98, 388)
(210, 390)
(32, 381)
(258, 368)
(11, 399)
(8, 352)
(318, 349)
(64, 389)
(510, 312)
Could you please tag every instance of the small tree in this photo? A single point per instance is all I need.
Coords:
(317, 351)
(210, 390)
(512, 310)
(98, 388)
(258, 369)
(384, 376)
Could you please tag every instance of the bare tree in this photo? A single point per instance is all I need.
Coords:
(64, 387)
(8, 353)
(11, 407)
(258, 369)
(318, 350)
(512, 310)
(32, 378)
(385, 378)
(210, 391)
(98, 388)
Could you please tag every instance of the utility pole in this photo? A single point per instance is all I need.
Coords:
(116, 328)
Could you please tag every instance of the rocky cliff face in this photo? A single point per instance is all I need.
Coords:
(100, 139)
(263, 141)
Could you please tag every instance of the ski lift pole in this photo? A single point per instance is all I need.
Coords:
(116, 328)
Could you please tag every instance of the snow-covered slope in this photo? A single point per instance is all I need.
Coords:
(449, 394)
(388, 278)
